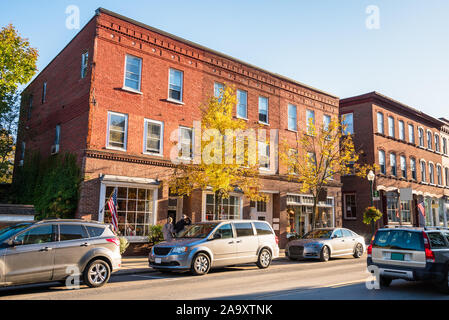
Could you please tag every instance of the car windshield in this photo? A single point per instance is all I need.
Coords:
(318, 234)
(8, 232)
(201, 230)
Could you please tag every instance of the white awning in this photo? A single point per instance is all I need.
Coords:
(131, 180)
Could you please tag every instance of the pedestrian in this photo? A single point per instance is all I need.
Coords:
(180, 225)
(168, 229)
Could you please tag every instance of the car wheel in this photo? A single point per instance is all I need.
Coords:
(200, 264)
(264, 259)
(358, 251)
(325, 254)
(97, 273)
(384, 282)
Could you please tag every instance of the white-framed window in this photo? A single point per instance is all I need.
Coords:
(429, 139)
(431, 173)
(350, 206)
(421, 137)
(263, 110)
(292, 166)
(242, 104)
(175, 83)
(439, 175)
(218, 90)
(423, 170)
(437, 142)
(84, 64)
(380, 123)
(135, 209)
(186, 142)
(413, 168)
(133, 73)
(446, 176)
(326, 122)
(292, 118)
(444, 146)
(117, 130)
(224, 209)
(383, 168)
(310, 120)
(393, 164)
(44, 92)
(154, 137)
(391, 127)
(264, 155)
(411, 134)
(403, 164)
(347, 120)
(401, 130)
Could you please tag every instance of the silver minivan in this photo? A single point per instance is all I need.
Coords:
(54, 250)
(205, 245)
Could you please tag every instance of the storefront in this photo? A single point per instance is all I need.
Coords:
(300, 209)
(136, 205)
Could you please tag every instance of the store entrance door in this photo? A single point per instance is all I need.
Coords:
(302, 220)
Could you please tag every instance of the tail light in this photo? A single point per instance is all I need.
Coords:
(369, 250)
(430, 256)
(277, 240)
(115, 241)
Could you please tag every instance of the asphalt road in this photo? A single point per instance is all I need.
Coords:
(340, 278)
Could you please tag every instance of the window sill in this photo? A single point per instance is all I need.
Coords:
(115, 149)
(242, 118)
(425, 183)
(153, 154)
(291, 130)
(175, 101)
(264, 123)
(132, 90)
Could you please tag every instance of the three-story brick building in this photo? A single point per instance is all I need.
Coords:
(115, 95)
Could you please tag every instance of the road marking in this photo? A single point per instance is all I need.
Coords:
(342, 284)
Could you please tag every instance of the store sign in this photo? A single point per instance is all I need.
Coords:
(376, 196)
(406, 194)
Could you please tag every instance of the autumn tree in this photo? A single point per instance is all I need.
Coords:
(17, 67)
(320, 154)
(224, 158)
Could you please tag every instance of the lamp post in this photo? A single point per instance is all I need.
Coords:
(371, 176)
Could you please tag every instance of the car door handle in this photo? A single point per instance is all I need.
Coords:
(85, 244)
(239, 241)
(46, 249)
(231, 242)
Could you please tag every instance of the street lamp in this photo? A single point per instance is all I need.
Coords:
(371, 176)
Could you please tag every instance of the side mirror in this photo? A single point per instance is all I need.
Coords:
(217, 236)
(13, 243)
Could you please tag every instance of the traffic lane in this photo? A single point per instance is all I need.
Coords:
(229, 278)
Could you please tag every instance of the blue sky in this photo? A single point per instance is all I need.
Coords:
(322, 43)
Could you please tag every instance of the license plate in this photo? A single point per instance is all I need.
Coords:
(397, 256)
(158, 260)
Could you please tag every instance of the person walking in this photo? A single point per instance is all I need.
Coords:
(168, 229)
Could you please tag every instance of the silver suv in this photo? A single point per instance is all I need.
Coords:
(206, 245)
(411, 254)
(53, 250)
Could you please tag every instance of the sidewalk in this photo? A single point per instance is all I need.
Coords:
(135, 265)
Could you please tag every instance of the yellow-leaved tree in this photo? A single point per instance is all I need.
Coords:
(320, 154)
(225, 160)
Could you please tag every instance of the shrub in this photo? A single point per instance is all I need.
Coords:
(155, 234)
(124, 244)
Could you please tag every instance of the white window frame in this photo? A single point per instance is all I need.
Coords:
(161, 138)
(140, 74)
(403, 165)
(234, 194)
(411, 133)
(429, 146)
(439, 171)
(421, 138)
(125, 143)
(296, 117)
(393, 156)
(267, 112)
(430, 166)
(326, 125)
(308, 113)
(380, 151)
(84, 63)
(267, 148)
(437, 142)
(391, 127)
(238, 105)
(401, 127)
(380, 126)
(413, 164)
(423, 170)
(181, 95)
(180, 143)
(218, 85)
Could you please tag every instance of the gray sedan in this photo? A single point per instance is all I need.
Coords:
(326, 243)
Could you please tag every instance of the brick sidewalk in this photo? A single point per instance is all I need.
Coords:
(134, 265)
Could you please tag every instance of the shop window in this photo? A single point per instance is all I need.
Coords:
(134, 210)
(392, 207)
(226, 209)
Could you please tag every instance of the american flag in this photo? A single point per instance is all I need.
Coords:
(421, 209)
(112, 204)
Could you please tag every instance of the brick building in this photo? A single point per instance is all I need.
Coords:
(117, 92)
(411, 151)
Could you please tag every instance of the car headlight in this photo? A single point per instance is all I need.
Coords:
(313, 245)
(179, 249)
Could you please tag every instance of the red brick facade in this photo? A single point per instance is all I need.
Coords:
(369, 138)
(81, 107)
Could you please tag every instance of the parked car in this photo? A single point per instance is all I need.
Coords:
(411, 254)
(325, 243)
(52, 250)
(202, 246)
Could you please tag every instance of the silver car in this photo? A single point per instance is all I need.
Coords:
(326, 243)
(206, 245)
(55, 250)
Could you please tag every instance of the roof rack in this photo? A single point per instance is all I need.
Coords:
(435, 228)
(397, 226)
